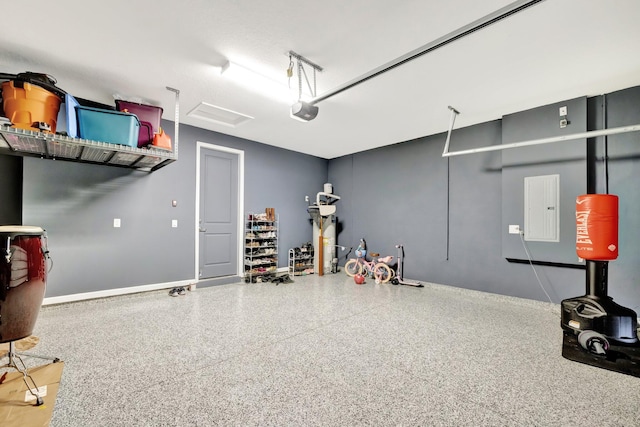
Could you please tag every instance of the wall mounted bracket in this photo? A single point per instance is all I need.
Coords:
(301, 62)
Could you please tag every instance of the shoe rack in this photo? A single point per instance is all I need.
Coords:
(260, 246)
(301, 260)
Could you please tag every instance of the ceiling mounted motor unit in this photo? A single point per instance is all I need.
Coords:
(304, 111)
(301, 110)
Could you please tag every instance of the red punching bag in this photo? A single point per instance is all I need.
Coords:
(597, 227)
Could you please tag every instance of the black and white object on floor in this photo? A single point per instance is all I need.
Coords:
(174, 292)
(281, 278)
(597, 331)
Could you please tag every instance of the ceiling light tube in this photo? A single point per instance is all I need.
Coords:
(257, 82)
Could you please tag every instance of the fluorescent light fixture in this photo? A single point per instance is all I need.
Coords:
(258, 83)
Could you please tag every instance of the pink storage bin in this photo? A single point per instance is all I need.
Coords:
(145, 113)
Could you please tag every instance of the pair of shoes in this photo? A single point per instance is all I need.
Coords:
(177, 291)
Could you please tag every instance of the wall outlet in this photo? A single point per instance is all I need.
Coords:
(116, 222)
(514, 229)
(174, 223)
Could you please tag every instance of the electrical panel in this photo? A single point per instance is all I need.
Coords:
(542, 208)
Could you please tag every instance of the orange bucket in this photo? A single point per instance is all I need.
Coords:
(30, 104)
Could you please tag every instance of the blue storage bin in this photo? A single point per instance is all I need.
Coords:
(108, 126)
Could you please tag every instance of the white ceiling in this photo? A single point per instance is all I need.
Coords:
(555, 50)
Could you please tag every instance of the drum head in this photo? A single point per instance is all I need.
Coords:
(20, 230)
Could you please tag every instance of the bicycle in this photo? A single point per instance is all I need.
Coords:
(376, 268)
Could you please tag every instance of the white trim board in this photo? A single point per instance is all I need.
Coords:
(115, 292)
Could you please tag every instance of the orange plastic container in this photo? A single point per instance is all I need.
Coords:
(162, 140)
(29, 105)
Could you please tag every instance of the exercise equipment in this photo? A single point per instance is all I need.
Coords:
(322, 213)
(597, 227)
(596, 330)
(399, 279)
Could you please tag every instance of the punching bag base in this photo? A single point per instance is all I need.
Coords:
(600, 333)
(622, 359)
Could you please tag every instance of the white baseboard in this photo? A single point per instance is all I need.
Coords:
(115, 292)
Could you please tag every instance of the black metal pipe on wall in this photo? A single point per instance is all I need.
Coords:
(597, 273)
(10, 190)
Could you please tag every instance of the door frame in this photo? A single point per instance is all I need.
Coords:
(240, 153)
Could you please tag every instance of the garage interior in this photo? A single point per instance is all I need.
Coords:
(480, 344)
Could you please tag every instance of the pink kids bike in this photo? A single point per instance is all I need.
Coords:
(376, 268)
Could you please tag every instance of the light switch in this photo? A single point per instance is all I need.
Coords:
(116, 222)
(174, 223)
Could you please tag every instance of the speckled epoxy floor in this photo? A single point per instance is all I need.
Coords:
(324, 351)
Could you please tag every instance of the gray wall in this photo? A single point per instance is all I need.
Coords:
(399, 194)
(622, 108)
(76, 203)
(566, 159)
(447, 213)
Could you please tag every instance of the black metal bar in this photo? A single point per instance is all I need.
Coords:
(546, 263)
(597, 278)
(461, 32)
(605, 153)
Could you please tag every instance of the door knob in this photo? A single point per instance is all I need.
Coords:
(202, 230)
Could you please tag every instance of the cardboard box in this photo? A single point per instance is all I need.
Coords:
(17, 405)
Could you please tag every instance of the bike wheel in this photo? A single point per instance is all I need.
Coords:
(382, 272)
(353, 267)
